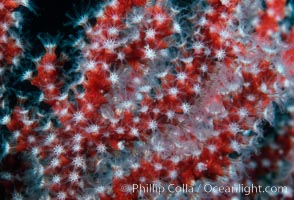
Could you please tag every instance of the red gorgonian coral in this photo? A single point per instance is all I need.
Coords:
(161, 95)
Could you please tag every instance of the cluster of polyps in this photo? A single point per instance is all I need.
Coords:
(10, 47)
(163, 96)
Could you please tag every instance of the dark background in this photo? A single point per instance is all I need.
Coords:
(52, 17)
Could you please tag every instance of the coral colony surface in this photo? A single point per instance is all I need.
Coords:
(142, 99)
